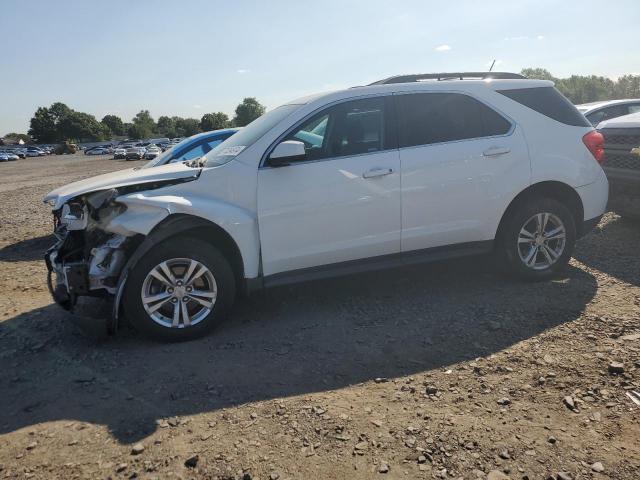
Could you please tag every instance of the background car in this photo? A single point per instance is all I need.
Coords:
(152, 152)
(135, 153)
(21, 152)
(192, 147)
(622, 163)
(34, 152)
(119, 153)
(597, 112)
(98, 151)
(9, 154)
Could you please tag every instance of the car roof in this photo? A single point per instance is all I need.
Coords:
(589, 107)
(446, 84)
(626, 121)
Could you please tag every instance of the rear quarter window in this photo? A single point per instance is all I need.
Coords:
(549, 102)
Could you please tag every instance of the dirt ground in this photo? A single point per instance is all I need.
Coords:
(447, 370)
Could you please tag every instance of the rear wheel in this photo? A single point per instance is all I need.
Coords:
(180, 290)
(537, 239)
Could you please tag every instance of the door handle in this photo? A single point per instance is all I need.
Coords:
(494, 151)
(377, 172)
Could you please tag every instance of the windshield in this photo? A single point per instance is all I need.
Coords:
(246, 137)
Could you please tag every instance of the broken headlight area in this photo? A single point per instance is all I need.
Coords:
(86, 259)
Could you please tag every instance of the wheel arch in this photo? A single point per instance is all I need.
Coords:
(559, 191)
(177, 225)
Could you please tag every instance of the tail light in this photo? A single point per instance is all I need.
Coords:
(594, 141)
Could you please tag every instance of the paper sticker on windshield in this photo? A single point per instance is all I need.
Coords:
(232, 151)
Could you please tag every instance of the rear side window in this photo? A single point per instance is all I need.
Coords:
(426, 118)
(549, 102)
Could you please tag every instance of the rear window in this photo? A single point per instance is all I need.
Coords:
(549, 102)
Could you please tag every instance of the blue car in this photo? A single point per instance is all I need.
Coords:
(192, 147)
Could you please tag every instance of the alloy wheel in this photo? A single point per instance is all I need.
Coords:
(541, 241)
(179, 293)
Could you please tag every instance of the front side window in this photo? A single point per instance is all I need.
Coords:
(351, 128)
(427, 118)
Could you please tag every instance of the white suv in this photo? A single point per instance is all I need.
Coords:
(408, 169)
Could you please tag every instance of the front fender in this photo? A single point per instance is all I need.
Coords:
(145, 211)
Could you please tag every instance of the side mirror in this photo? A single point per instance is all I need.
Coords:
(287, 152)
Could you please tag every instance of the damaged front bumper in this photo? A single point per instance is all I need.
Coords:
(74, 271)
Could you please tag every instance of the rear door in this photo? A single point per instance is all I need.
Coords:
(461, 161)
(342, 201)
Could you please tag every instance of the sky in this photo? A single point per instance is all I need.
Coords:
(191, 57)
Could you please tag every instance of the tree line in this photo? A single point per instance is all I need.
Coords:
(59, 123)
(589, 88)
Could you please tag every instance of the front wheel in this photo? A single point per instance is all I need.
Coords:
(538, 239)
(179, 290)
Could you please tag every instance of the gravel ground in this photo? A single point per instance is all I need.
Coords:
(448, 370)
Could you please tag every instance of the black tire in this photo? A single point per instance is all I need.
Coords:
(510, 251)
(180, 248)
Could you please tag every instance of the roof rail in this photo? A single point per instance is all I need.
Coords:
(447, 76)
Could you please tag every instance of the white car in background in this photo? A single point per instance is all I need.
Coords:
(99, 151)
(597, 112)
(119, 153)
(11, 156)
(409, 169)
(152, 152)
(135, 153)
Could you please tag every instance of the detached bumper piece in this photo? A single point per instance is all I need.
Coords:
(66, 282)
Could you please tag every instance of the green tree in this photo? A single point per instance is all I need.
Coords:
(185, 127)
(538, 73)
(16, 137)
(167, 126)
(43, 126)
(136, 132)
(589, 88)
(628, 86)
(214, 121)
(58, 111)
(81, 127)
(582, 89)
(247, 112)
(114, 124)
(144, 125)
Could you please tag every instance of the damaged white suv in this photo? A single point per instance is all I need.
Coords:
(408, 169)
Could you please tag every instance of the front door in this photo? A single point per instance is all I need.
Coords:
(339, 203)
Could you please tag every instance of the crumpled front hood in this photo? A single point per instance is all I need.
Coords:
(122, 178)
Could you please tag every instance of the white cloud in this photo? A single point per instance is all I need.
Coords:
(243, 70)
(443, 48)
(523, 37)
(197, 106)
